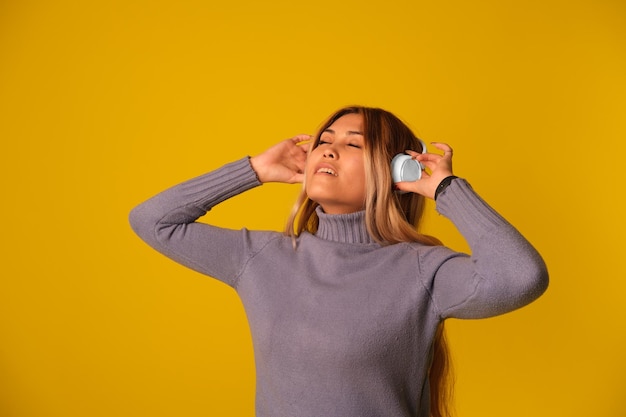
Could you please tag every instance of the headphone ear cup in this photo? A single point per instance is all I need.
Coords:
(405, 168)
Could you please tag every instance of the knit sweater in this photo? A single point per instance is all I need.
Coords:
(343, 326)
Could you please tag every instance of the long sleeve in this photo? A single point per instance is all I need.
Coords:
(343, 325)
(167, 222)
(504, 271)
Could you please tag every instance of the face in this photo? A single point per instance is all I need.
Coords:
(335, 171)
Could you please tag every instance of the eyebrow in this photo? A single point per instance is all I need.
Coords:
(350, 132)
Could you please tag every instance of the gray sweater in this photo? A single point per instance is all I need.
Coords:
(342, 326)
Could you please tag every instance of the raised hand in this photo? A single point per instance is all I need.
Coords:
(440, 167)
(283, 162)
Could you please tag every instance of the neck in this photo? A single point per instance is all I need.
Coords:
(345, 228)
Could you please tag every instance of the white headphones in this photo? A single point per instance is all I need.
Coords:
(404, 168)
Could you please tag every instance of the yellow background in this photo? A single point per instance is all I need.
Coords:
(104, 103)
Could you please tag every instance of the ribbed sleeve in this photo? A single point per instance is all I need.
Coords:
(469, 212)
(505, 271)
(167, 222)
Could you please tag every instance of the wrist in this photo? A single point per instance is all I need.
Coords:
(255, 167)
(444, 184)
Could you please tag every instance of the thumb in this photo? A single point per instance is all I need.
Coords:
(404, 186)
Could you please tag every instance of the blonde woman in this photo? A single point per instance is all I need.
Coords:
(346, 308)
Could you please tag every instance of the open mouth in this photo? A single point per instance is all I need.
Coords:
(326, 171)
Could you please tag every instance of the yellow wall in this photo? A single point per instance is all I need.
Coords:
(104, 103)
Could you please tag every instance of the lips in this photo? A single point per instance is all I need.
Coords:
(326, 169)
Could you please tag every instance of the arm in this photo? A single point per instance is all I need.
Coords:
(167, 221)
(504, 271)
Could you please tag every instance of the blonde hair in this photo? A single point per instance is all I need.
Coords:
(390, 218)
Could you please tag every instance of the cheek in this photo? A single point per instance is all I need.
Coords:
(311, 156)
(354, 186)
(358, 170)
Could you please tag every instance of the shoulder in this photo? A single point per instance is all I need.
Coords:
(259, 239)
(429, 258)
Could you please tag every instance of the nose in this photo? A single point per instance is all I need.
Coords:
(329, 153)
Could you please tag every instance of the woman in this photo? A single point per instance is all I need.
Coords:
(346, 307)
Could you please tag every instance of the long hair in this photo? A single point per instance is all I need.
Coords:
(390, 218)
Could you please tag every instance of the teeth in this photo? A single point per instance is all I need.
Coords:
(327, 171)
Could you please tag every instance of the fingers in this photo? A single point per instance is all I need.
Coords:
(437, 164)
(447, 150)
(409, 186)
(301, 139)
(431, 159)
(403, 186)
(302, 142)
(297, 161)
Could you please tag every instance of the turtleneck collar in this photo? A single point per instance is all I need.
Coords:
(344, 228)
